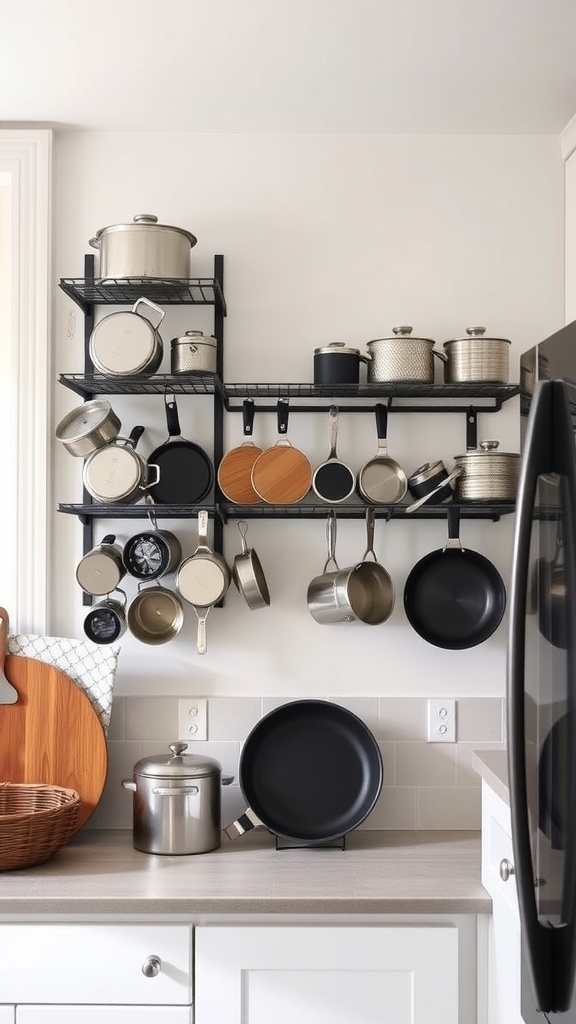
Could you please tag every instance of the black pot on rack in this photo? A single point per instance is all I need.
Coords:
(337, 364)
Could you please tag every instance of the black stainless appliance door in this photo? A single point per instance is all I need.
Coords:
(542, 705)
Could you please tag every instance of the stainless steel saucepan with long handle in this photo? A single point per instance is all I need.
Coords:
(203, 579)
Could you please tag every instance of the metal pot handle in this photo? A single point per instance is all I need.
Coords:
(243, 824)
(171, 791)
(331, 541)
(227, 780)
(148, 302)
(151, 483)
(128, 784)
(369, 534)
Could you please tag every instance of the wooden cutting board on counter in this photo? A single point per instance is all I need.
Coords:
(51, 734)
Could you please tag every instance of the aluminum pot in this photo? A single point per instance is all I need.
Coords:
(127, 343)
(102, 568)
(487, 474)
(401, 358)
(337, 364)
(177, 802)
(143, 248)
(194, 352)
(88, 427)
(476, 358)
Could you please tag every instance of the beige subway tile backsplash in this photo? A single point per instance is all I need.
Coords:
(426, 785)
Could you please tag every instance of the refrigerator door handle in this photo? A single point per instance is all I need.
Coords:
(549, 951)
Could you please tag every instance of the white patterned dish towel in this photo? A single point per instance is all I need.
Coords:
(91, 666)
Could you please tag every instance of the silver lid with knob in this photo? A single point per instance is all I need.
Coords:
(177, 765)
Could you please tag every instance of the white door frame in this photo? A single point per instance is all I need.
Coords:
(25, 513)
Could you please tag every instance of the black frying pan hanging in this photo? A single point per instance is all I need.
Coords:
(186, 474)
(310, 771)
(454, 597)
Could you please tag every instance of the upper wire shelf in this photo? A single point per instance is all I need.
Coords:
(89, 384)
(199, 291)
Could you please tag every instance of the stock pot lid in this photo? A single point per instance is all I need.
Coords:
(177, 764)
(400, 334)
(82, 421)
(486, 450)
(195, 338)
(476, 334)
(337, 348)
(142, 222)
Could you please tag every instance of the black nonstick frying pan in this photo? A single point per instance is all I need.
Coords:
(310, 771)
(454, 597)
(186, 474)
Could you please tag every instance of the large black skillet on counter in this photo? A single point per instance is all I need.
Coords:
(310, 772)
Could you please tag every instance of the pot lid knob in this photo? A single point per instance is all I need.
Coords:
(178, 748)
(475, 332)
(489, 446)
(402, 332)
(145, 218)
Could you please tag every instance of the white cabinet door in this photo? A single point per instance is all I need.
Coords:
(326, 975)
(95, 963)
(102, 1015)
(7, 1014)
(504, 948)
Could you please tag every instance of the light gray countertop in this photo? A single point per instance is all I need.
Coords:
(492, 766)
(379, 872)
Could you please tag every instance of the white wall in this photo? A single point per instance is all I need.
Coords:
(325, 239)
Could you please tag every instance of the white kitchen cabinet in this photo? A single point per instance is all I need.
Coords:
(7, 1014)
(101, 1014)
(381, 974)
(96, 964)
(504, 929)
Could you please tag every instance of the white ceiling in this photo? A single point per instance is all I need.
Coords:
(290, 66)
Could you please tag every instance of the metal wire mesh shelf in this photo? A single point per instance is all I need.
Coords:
(449, 397)
(160, 384)
(203, 291)
(303, 510)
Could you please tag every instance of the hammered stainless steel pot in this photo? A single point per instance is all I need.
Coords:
(144, 249)
(177, 802)
(194, 352)
(401, 358)
(476, 358)
(487, 474)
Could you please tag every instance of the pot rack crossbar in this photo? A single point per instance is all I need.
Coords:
(89, 291)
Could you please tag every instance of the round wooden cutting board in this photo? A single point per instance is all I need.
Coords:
(52, 734)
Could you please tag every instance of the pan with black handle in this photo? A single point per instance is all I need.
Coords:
(382, 481)
(454, 597)
(186, 474)
(310, 772)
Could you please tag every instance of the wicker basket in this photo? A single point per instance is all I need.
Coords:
(35, 821)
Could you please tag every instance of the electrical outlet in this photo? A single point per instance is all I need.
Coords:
(442, 721)
(193, 719)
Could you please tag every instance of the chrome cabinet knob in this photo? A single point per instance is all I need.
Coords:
(506, 869)
(151, 966)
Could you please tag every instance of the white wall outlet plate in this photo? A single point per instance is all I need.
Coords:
(193, 719)
(442, 721)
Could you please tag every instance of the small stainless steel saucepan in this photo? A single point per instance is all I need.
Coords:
(203, 579)
(248, 574)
